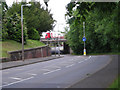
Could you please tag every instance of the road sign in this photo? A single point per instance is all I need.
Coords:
(84, 39)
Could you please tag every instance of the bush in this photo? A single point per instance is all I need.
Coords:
(14, 26)
(3, 35)
(34, 34)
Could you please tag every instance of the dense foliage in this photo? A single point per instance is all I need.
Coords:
(101, 26)
(34, 35)
(3, 32)
(36, 20)
(13, 24)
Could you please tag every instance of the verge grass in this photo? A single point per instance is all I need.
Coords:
(10, 45)
(116, 84)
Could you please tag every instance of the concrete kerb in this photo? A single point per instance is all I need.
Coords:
(27, 62)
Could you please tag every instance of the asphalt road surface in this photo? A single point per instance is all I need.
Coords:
(58, 73)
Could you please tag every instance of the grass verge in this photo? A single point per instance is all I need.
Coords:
(111, 53)
(115, 84)
(10, 45)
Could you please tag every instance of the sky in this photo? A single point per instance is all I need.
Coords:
(57, 8)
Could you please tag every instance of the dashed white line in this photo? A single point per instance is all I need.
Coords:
(80, 61)
(90, 57)
(17, 82)
(45, 69)
(85, 59)
(52, 71)
(16, 78)
(32, 74)
(70, 65)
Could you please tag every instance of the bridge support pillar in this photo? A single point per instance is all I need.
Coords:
(66, 48)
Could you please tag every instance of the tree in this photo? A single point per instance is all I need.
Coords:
(38, 18)
(35, 18)
(14, 28)
(3, 18)
(101, 26)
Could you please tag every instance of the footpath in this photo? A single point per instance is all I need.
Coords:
(11, 64)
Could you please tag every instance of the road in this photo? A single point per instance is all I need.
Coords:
(58, 73)
(53, 49)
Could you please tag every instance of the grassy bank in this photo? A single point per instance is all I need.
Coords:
(115, 84)
(110, 53)
(11, 45)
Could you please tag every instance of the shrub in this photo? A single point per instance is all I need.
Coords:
(3, 35)
(14, 28)
(34, 34)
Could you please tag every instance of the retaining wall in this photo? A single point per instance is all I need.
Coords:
(43, 51)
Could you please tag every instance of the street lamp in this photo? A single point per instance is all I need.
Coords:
(59, 38)
(22, 29)
(58, 45)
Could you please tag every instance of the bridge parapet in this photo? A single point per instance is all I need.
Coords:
(53, 40)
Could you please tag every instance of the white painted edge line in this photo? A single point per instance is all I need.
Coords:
(16, 82)
(70, 65)
(52, 71)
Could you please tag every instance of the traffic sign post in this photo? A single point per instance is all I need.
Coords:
(84, 39)
(84, 51)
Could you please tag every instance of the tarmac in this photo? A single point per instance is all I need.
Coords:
(11, 64)
(103, 78)
(99, 80)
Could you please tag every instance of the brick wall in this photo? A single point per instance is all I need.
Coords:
(43, 51)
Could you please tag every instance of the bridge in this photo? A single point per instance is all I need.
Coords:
(57, 41)
(53, 40)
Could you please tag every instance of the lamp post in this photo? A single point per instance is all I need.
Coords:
(55, 44)
(59, 38)
(58, 45)
(22, 29)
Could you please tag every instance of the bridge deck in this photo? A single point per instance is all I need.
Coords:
(60, 40)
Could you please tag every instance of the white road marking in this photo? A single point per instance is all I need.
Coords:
(45, 69)
(52, 71)
(16, 78)
(90, 56)
(80, 61)
(85, 59)
(32, 74)
(16, 82)
(70, 65)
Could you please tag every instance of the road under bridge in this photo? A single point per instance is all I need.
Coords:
(58, 42)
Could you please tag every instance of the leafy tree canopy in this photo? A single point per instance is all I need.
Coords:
(101, 20)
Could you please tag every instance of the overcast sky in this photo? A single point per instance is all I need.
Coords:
(57, 9)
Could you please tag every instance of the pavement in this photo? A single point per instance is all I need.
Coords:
(11, 64)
